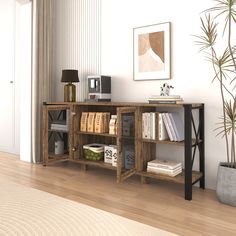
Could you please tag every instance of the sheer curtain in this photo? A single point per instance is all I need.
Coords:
(41, 68)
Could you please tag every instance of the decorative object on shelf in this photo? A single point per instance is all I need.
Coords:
(59, 147)
(152, 52)
(224, 67)
(165, 89)
(94, 151)
(70, 77)
(165, 96)
(99, 88)
(110, 154)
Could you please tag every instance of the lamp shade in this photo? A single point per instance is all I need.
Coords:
(70, 76)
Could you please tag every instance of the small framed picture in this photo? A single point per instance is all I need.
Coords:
(152, 52)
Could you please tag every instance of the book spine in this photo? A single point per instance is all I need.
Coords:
(98, 126)
(152, 126)
(174, 127)
(162, 133)
(148, 126)
(91, 117)
(171, 125)
(167, 126)
(145, 125)
(83, 121)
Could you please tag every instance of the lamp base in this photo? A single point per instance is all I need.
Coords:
(69, 92)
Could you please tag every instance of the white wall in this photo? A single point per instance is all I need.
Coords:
(77, 42)
(191, 74)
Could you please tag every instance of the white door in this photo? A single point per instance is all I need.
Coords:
(7, 74)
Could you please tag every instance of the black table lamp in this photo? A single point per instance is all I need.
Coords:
(69, 77)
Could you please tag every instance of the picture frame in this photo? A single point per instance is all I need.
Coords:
(151, 54)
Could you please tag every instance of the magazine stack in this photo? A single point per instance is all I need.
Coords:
(169, 168)
(171, 99)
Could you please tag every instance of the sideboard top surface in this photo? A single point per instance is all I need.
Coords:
(126, 104)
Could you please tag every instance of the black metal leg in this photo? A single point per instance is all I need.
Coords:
(188, 151)
(202, 147)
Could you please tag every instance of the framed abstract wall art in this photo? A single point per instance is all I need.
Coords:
(152, 52)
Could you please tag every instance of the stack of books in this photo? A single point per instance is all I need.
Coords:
(59, 125)
(169, 168)
(172, 99)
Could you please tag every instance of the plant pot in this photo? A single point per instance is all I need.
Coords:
(226, 184)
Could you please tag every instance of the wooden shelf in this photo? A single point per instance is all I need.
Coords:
(53, 158)
(101, 164)
(57, 157)
(163, 142)
(98, 134)
(196, 175)
(169, 142)
(123, 104)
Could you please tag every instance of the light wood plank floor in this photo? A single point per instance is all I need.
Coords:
(159, 204)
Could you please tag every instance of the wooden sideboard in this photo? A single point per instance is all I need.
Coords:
(145, 150)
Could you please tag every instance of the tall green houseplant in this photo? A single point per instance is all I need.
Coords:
(218, 42)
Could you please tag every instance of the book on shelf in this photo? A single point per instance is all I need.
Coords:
(162, 132)
(178, 125)
(146, 125)
(165, 97)
(90, 123)
(83, 121)
(157, 101)
(171, 99)
(171, 165)
(99, 122)
(173, 134)
(167, 125)
(169, 168)
(167, 172)
(153, 125)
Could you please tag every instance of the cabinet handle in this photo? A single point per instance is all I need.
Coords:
(73, 113)
(73, 149)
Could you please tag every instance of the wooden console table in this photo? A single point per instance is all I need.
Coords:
(145, 150)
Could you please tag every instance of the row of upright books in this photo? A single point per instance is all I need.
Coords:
(169, 168)
(97, 122)
(162, 126)
(170, 99)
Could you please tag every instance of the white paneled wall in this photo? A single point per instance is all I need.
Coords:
(77, 42)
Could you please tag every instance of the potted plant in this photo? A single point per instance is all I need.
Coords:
(217, 27)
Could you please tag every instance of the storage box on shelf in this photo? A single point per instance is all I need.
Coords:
(129, 133)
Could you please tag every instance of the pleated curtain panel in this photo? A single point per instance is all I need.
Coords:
(41, 68)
